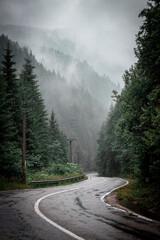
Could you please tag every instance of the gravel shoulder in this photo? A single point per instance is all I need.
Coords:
(112, 199)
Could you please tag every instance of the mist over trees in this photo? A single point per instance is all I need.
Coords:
(21, 93)
(73, 101)
(76, 98)
(129, 139)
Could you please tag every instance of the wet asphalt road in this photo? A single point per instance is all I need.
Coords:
(79, 209)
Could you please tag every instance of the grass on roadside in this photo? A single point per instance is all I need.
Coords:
(38, 176)
(54, 172)
(143, 199)
(13, 185)
(5, 185)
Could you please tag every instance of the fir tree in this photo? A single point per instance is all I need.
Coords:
(37, 129)
(10, 153)
(59, 142)
(134, 136)
(9, 74)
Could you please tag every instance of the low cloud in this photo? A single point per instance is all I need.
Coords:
(104, 30)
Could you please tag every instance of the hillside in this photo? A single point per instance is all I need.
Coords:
(80, 102)
(55, 49)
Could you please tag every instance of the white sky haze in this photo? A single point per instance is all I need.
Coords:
(104, 29)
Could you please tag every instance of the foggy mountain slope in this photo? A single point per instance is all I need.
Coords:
(79, 114)
(79, 96)
(79, 73)
(56, 50)
(37, 37)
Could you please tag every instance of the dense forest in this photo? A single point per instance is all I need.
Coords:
(76, 97)
(129, 140)
(47, 146)
(28, 87)
(65, 98)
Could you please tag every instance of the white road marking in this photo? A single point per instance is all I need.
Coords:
(106, 194)
(109, 205)
(36, 207)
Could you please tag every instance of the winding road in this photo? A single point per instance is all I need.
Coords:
(76, 211)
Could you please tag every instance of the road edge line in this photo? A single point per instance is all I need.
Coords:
(119, 209)
(36, 208)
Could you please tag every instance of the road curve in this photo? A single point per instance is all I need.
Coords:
(70, 212)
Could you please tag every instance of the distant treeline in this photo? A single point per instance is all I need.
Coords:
(46, 143)
(129, 141)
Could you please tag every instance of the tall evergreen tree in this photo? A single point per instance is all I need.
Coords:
(107, 151)
(37, 129)
(10, 149)
(148, 52)
(58, 142)
(9, 74)
(136, 130)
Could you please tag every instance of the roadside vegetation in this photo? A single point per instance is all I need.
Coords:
(11, 185)
(140, 198)
(59, 171)
(130, 137)
(46, 146)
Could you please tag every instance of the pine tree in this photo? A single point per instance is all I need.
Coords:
(134, 136)
(9, 74)
(10, 152)
(148, 50)
(59, 142)
(54, 128)
(107, 148)
(148, 53)
(37, 129)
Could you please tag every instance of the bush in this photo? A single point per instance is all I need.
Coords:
(33, 162)
(68, 168)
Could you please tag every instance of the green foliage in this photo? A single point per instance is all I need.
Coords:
(37, 130)
(69, 168)
(105, 158)
(143, 199)
(9, 73)
(10, 148)
(12, 185)
(10, 160)
(80, 118)
(58, 142)
(148, 51)
(129, 141)
(55, 172)
(45, 144)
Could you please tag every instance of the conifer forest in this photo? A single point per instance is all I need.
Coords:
(59, 114)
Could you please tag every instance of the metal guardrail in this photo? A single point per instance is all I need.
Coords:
(56, 181)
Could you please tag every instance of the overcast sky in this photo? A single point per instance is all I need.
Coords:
(105, 29)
